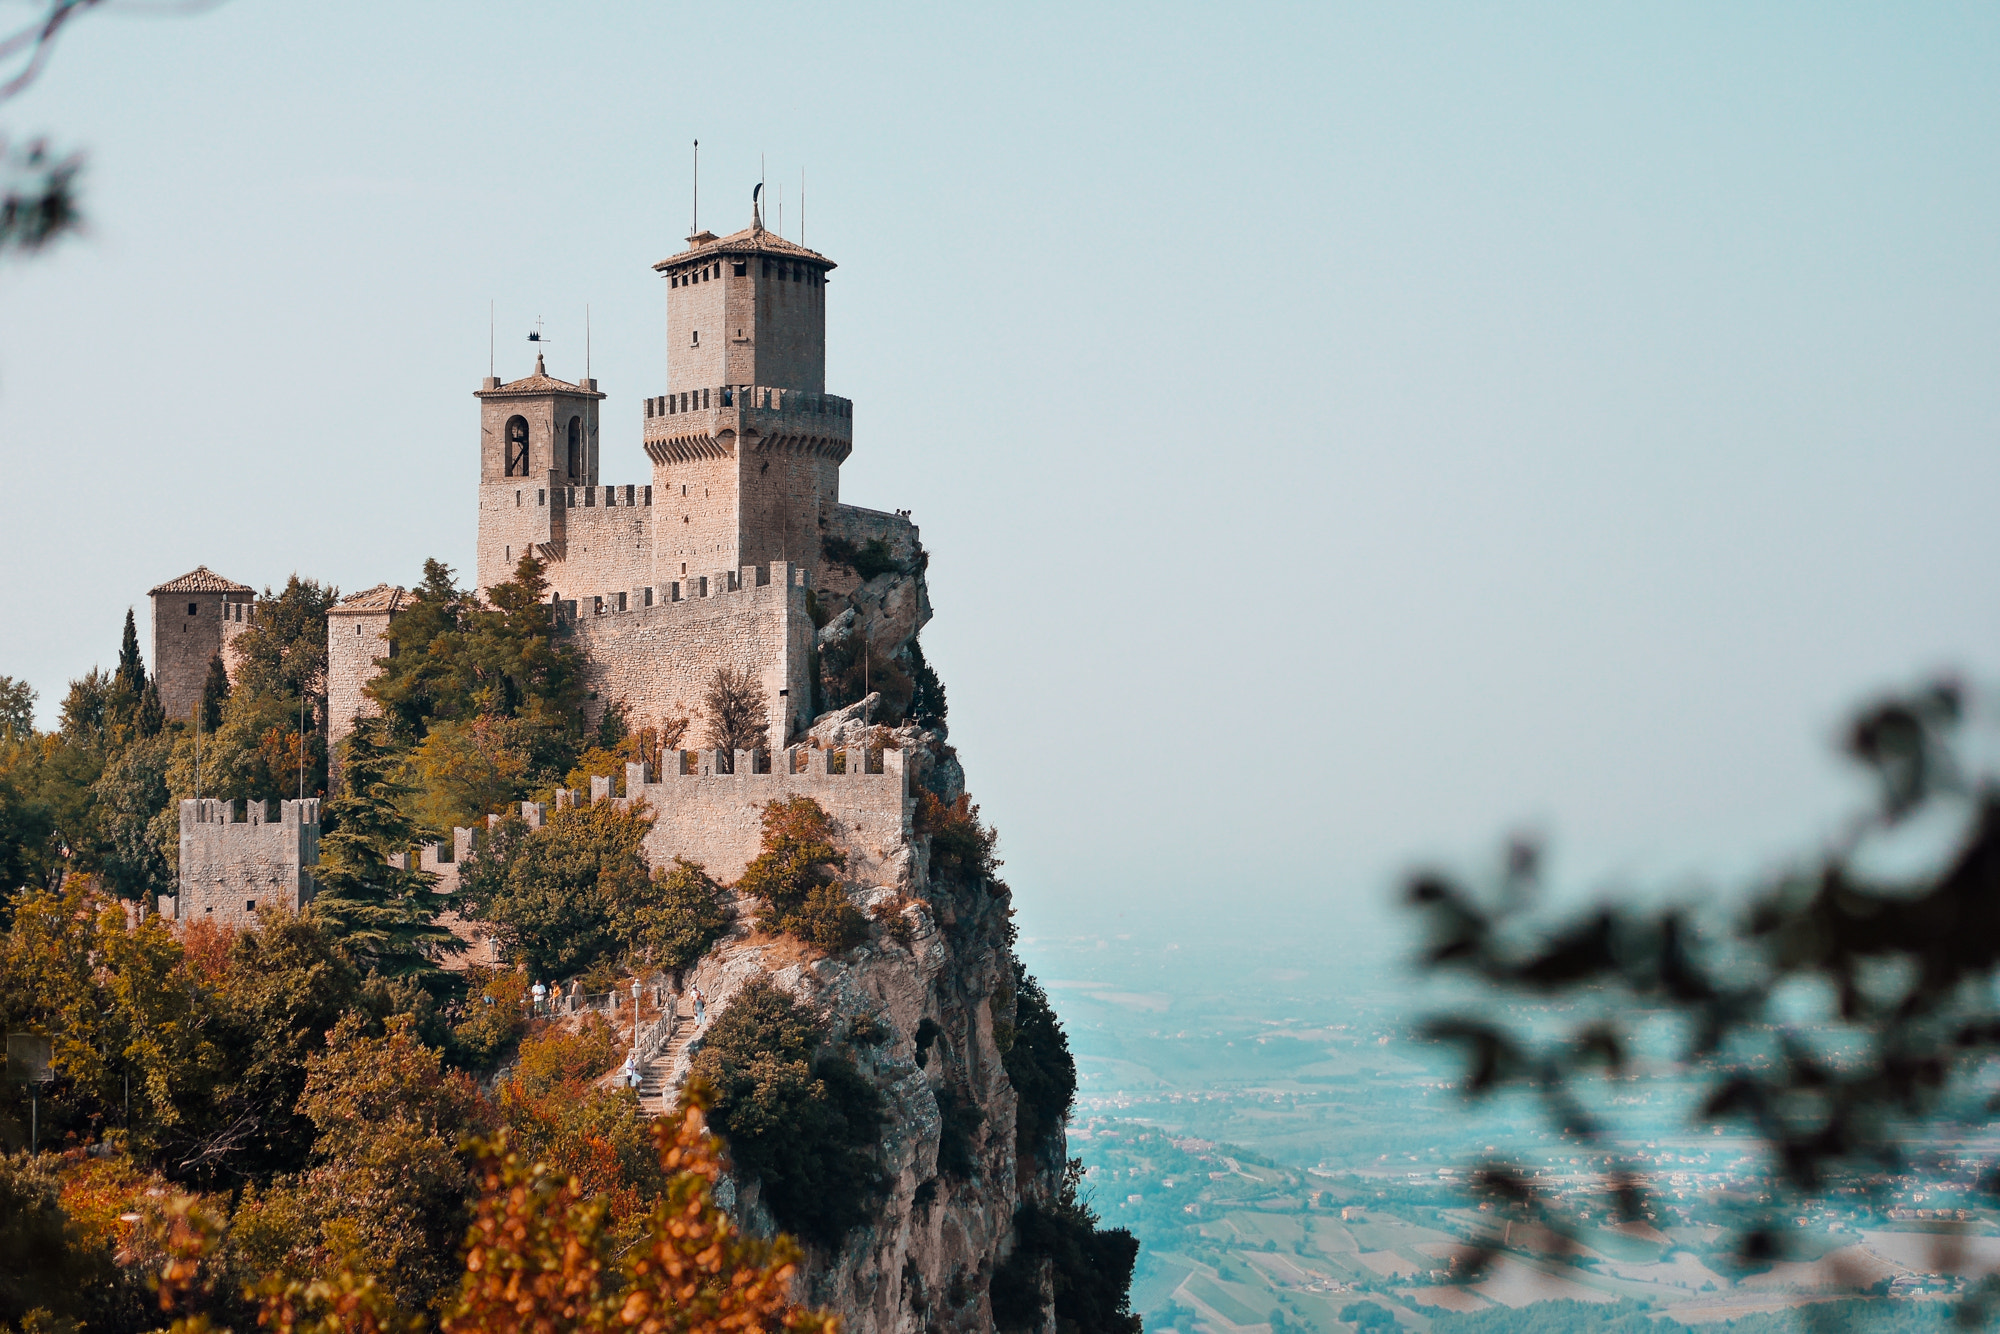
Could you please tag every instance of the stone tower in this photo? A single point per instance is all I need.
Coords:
(195, 617)
(538, 440)
(357, 633)
(746, 444)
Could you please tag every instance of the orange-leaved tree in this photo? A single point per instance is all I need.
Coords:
(540, 1258)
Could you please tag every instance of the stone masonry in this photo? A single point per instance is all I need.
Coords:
(195, 618)
(356, 636)
(230, 868)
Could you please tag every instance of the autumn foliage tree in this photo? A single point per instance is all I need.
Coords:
(540, 1258)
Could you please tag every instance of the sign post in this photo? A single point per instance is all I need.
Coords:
(28, 1057)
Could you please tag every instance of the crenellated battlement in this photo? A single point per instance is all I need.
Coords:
(709, 806)
(709, 423)
(579, 612)
(231, 867)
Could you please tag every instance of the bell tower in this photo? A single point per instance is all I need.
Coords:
(538, 441)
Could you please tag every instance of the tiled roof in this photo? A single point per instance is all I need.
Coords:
(541, 382)
(201, 579)
(382, 597)
(752, 240)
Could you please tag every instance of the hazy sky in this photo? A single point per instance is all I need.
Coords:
(1342, 434)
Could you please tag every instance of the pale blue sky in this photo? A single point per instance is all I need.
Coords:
(1342, 434)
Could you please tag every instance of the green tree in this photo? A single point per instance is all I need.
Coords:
(1039, 1065)
(456, 657)
(465, 771)
(386, 914)
(17, 707)
(283, 650)
(557, 895)
(681, 914)
(1090, 1269)
(795, 878)
(128, 797)
(803, 1120)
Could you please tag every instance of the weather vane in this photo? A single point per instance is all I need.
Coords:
(535, 335)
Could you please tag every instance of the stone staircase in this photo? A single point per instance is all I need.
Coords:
(661, 1076)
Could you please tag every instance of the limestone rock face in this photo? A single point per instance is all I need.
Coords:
(887, 612)
(925, 1260)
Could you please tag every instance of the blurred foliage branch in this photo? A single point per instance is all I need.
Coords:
(1847, 1007)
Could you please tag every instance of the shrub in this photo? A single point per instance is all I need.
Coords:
(868, 560)
(495, 1015)
(804, 1122)
(1039, 1064)
(1090, 1270)
(927, 704)
(793, 878)
(961, 847)
(556, 893)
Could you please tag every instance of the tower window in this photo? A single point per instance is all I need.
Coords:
(742, 269)
(575, 447)
(697, 337)
(517, 446)
(194, 608)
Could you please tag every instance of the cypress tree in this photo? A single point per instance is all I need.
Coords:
(386, 914)
(214, 692)
(152, 717)
(131, 674)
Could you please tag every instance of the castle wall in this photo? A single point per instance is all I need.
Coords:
(230, 869)
(189, 630)
(717, 818)
(696, 500)
(608, 540)
(660, 659)
(786, 492)
(516, 515)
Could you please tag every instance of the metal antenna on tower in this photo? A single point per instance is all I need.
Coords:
(802, 205)
(695, 230)
(586, 340)
(489, 338)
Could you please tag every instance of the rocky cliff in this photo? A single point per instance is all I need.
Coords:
(935, 989)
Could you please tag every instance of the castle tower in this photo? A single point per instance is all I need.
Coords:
(538, 441)
(195, 617)
(357, 633)
(746, 444)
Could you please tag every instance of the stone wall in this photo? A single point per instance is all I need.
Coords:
(231, 869)
(712, 811)
(660, 659)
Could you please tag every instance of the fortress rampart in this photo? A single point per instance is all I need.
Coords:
(712, 810)
(660, 657)
(230, 868)
(709, 809)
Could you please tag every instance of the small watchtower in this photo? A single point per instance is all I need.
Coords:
(538, 439)
(194, 619)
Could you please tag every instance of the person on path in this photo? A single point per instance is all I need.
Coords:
(700, 1007)
(632, 1069)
